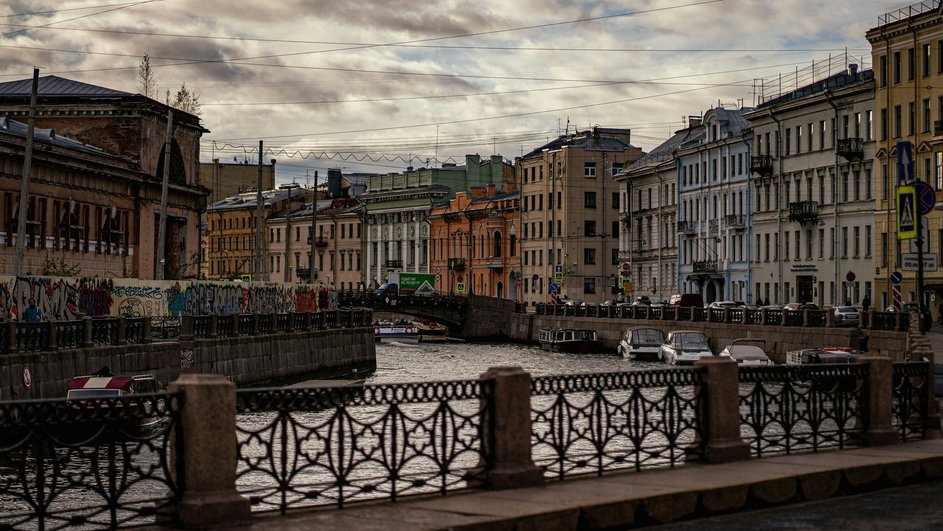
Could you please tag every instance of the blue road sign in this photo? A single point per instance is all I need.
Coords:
(554, 288)
(896, 278)
(905, 161)
(926, 197)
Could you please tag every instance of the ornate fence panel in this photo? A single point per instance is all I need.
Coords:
(165, 327)
(225, 327)
(684, 313)
(103, 464)
(818, 318)
(31, 337)
(591, 423)
(754, 317)
(245, 324)
(104, 330)
(284, 322)
(70, 334)
(910, 407)
(266, 323)
(305, 447)
(134, 329)
(699, 314)
(202, 326)
(784, 409)
(299, 321)
(774, 317)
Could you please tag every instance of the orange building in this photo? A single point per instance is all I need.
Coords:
(474, 246)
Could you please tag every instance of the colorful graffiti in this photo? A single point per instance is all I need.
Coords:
(65, 299)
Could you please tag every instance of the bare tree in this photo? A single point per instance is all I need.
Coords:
(147, 78)
(187, 100)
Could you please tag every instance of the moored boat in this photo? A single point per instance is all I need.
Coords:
(398, 330)
(578, 340)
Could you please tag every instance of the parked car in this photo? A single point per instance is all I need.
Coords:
(724, 304)
(911, 307)
(796, 306)
(642, 301)
(846, 316)
(686, 300)
(747, 351)
(684, 347)
(641, 342)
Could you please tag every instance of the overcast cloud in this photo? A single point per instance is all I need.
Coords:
(320, 84)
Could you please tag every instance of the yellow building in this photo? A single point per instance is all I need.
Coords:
(907, 54)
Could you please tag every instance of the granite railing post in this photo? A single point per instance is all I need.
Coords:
(51, 343)
(11, 336)
(719, 405)
(763, 313)
(877, 410)
(122, 331)
(235, 325)
(255, 324)
(506, 431)
(830, 319)
(291, 322)
(871, 316)
(805, 317)
(186, 328)
(146, 330)
(208, 424)
(87, 341)
(309, 320)
(214, 326)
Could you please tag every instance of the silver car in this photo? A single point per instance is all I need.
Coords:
(846, 316)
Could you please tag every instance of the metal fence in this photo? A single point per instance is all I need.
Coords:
(912, 390)
(785, 409)
(94, 464)
(593, 423)
(330, 446)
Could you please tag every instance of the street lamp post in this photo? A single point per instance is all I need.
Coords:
(289, 187)
(314, 227)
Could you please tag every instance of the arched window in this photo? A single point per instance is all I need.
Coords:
(484, 250)
(496, 244)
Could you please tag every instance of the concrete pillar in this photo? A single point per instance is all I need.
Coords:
(214, 326)
(208, 422)
(122, 331)
(830, 319)
(871, 319)
(186, 328)
(11, 336)
(506, 435)
(880, 390)
(146, 330)
(763, 312)
(719, 405)
(51, 343)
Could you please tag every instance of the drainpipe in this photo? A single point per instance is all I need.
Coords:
(835, 299)
(661, 200)
(779, 210)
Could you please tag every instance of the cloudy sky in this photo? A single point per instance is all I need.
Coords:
(382, 84)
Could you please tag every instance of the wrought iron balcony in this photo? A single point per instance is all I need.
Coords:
(712, 226)
(734, 221)
(394, 264)
(705, 266)
(804, 212)
(687, 227)
(320, 242)
(762, 165)
(851, 148)
(303, 273)
(456, 264)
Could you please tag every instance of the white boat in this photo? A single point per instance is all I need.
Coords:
(579, 340)
(641, 343)
(813, 356)
(399, 331)
(684, 347)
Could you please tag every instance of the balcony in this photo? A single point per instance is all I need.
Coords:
(687, 227)
(804, 212)
(303, 273)
(712, 226)
(734, 221)
(762, 165)
(456, 264)
(851, 148)
(394, 264)
(705, 266)
(320, 242)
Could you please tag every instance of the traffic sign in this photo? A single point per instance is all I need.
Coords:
(850, 277)
(896, 278)
(911, 262)
(626, 266)
(926, 197)
(905, 161)
(558, 269)
(460, 287)
(27, 379)
(558, 276)
(906, 212)
(438, 277)
(554, 287)
(438, 270)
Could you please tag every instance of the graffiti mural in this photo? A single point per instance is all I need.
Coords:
(66, 299)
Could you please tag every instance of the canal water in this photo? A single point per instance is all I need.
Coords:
(405, 362)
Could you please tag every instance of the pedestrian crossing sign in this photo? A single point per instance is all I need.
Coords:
(906, 212)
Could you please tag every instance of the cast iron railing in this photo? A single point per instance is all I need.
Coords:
(31, 336)
(70, 334)
(99, 464)
(134, 329)
(593, 423)
(910, 406)
(785, 409)
(305, 447)
(104, 330)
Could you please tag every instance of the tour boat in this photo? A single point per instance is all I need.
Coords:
(810, 356)
(399, 331)
(579, 340)
(127, 420)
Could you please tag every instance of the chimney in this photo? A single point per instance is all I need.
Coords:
(853, 69)
(491, 190)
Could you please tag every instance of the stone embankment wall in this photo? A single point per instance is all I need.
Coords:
(246, 360)
(490, 318)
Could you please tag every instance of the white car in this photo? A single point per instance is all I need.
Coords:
(641, 342)
(684, 347)
(747, 351)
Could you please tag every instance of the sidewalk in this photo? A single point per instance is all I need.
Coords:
(643, 498)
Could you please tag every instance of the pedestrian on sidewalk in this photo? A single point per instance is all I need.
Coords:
(865, 303)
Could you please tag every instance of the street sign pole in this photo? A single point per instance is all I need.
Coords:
(923, 308)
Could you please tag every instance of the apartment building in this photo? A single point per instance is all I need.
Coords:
(648, 243)
(570, 214)
(474, 243)
(714, 208)
(907, 54)
(813, 185)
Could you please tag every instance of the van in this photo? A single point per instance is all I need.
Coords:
(686, 300)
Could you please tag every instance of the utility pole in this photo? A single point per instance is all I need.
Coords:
(162, 230)
(314, 226)
(288, 187)
(258, 272)
(24, 188)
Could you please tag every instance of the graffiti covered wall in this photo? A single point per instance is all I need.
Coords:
(64, 299)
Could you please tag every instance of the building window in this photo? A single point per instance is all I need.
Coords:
(589, 227)
(589, 169)
(897, 121)
(926, 116)
(589, 285)
(910, 64)
(882, 68)
(589, 199)
(896, 68)
(589, 256)
(925, 60)
(883, 124)
(911, 118)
